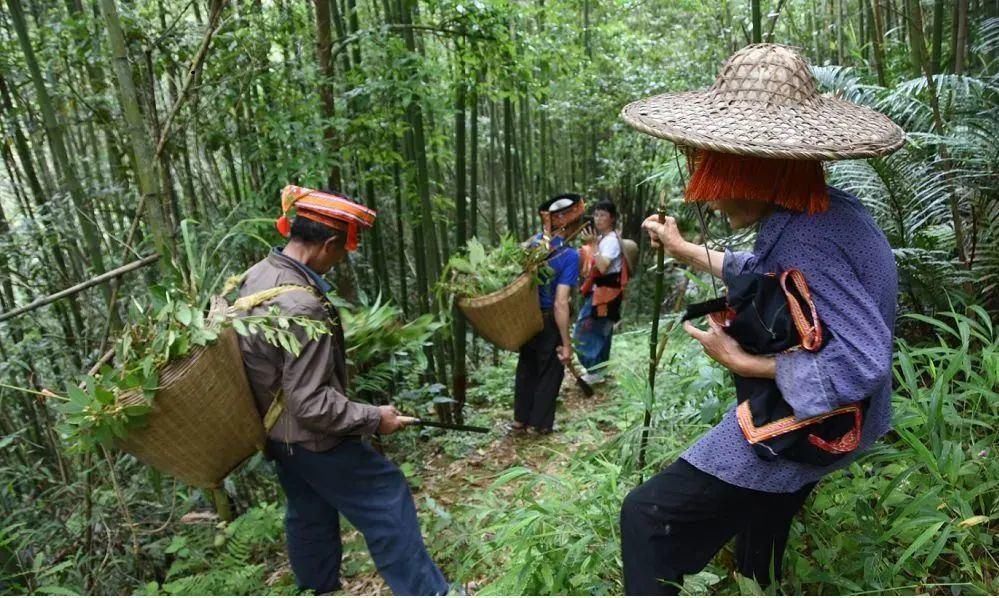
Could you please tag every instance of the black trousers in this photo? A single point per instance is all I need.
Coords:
(539, 378)
(675, 523)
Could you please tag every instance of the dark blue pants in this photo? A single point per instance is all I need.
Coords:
(370, 491)
(539, 378)
(592, 337)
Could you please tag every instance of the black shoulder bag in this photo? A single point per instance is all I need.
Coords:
(774, 313)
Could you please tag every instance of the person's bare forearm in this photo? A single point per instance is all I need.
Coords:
(663, 229)
(602, 263)
(699, 257)
(563, 320)
(756, 366)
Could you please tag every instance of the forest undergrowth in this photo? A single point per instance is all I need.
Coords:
(512, 514)
(169, 127)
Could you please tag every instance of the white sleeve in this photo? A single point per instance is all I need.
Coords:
(610, 247)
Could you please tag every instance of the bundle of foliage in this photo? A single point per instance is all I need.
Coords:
(380, 345)
(168, 329)
(480, 272)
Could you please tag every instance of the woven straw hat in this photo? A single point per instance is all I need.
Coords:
(765, 102)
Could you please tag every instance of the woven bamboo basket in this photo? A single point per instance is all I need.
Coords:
(509, 317)
(204, 421)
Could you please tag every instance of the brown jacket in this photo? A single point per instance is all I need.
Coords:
(317, 413)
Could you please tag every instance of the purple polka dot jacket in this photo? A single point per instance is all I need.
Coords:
(851, 272)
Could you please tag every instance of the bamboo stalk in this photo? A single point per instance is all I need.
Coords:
(773, 21)
(653, 340)
(150, 189)
(56, 137)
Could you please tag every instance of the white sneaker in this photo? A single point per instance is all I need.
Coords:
(592, 379)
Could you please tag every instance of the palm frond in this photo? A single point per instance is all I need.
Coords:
(906, 103)
(843, 82)
(988, 37)
(903, 194)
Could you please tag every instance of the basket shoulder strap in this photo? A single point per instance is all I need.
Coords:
(253, 300)
(625, 268)
(274, 411)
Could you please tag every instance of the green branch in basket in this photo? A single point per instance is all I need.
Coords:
(479, 272)
(169, 330)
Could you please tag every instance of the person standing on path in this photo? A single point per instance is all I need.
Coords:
(319, 441)
(758, 137)
(542, 360)
(606, 275)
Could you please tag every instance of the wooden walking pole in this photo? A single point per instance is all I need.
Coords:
(657, 306)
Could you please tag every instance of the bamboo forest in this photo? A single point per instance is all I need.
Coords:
(318, 296)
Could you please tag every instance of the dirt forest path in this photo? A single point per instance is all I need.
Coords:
(449, 481)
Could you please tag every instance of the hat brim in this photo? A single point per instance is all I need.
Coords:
(824, 128)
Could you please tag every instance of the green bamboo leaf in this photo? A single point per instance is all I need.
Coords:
(938, 546)
(920, 449)
(923, 538)
(240, 327)
(8, 440)
(184, 314)
(510, 475)
(935, 323)
(283, 342)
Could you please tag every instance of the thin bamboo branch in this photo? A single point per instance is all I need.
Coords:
(773, 21)
(129, 523)
(81, 287)
(192, 73)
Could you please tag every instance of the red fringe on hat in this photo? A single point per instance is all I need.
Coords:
(797, 185)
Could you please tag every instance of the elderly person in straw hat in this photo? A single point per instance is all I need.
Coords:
(757, 139)
(318, 439)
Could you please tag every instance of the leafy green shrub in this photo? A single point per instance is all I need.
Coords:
(380, 345)
(230, 559)
(534, 532)
(917, 513)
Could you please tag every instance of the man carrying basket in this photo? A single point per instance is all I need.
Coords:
(542, 360)
(324, 465)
